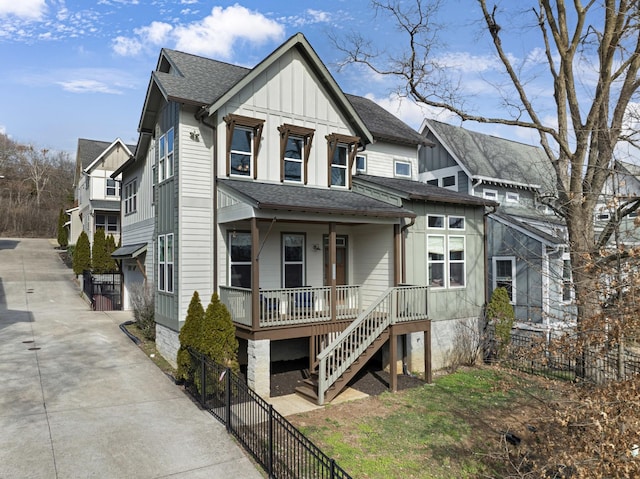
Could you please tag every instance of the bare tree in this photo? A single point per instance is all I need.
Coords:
(603, 35)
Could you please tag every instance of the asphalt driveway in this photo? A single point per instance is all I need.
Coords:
(78, 399)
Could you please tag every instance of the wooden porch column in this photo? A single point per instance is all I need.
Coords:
(255, 275)
(332, 270)
(393, 358)
(397, 255)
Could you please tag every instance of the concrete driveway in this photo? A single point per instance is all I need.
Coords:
(78, 399)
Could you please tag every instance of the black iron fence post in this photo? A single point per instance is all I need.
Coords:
(227, 397)
(203, 380)
(270, 432)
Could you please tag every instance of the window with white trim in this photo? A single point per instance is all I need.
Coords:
(113, 187)
(342, 151)
(457, 273)
(402, 169)
(489, 194)
(450, 182)
(436, 261)
(295, 148)
(165, 155)
(243, 143)
(131, 197)
(165, 263)
(361, 164)
(456, 222)
(512, 197)
(240, 259)
(109, 223)
(567, 284)
(435, 221)
(293, 256)
(504, 275)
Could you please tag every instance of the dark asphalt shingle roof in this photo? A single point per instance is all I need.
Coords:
(269, 196)
(549, 238)
(89, 150)
(383, 124)
(202, 81)
(486, 156)
(197, 79)
(416, 190)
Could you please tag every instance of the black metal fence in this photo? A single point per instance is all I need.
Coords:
(103, 290)
(534, 354)
(282, 450)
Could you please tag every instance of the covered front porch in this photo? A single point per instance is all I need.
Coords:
(330, 275)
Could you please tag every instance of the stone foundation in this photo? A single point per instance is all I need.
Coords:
(167, 344)
(259, 367)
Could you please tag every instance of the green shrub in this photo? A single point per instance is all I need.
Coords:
(111, 247)
(142, 300)
(190, 338)
(99, 257)
(501, 315)
(82, 254)
(63, 239)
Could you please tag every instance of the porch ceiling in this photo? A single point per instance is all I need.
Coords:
(308, 200)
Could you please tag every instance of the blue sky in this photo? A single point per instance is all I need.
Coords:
(79, 69)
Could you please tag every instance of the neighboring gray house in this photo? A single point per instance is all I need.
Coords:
(96, 192)
(526, 243)
(300, 206)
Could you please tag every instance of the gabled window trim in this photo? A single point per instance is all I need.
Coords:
(256, 124)
(351, 142)
(306, 134)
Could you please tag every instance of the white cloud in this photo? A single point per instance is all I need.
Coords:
(88, 86)
(309, 17)
(214, 35)
(25, 9)
(408, 111)
(466, 62)
(3, 130)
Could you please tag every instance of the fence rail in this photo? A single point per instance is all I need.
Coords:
(103, 290)
(533, 355)
(281, 450)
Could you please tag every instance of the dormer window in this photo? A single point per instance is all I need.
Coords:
(243, 143)
(342, 154)
(295, 147)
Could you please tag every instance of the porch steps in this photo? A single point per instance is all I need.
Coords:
(309, 389)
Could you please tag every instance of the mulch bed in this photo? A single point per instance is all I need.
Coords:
(371, 380)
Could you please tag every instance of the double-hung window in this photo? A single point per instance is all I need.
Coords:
(342, 154)
(293, 260)
(243, 143)
(113, 187)
(165, 263)
(131, 197)
(240, 259)
(295, 147)
(504, 275)
(165, 155)
(446, 256)
(109, 223)
(567, 285)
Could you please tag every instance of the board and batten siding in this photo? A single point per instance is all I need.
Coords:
(448, 303)
(287, 92)
(372, 252)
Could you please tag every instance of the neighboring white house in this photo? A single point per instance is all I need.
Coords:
(300, 206)
(97, 194)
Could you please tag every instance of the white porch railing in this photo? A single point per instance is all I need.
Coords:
(404, 303)
(292, 306)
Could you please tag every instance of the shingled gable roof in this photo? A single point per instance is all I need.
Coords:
(493, 159)
(91, 150)
(529, 230)
(416, 190)
(278, 197)
(384, 125)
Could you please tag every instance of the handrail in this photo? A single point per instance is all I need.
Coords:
(338, 356)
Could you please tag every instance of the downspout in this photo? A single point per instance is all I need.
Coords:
(403, 249)
(201, 115)
(486, 253)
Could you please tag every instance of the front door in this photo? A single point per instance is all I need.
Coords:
(341, 261)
